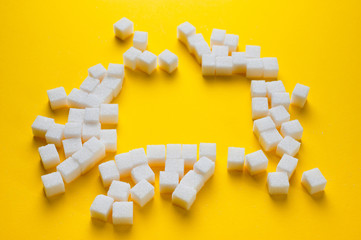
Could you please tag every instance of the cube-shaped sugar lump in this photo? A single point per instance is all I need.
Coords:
(89, 84)
(263, 124)
(280, 98)
(239, 62)
(115, 84)
(49, 156)
(201, 48)
(108, 172)
(259, 107)
(258, 88)
(97, 71)
(55, 134)
(231, 41)
(189, 154)
(174, 151)
(77, 98)
(185, 30)
(205, 167)
(109, 113)
(140, 40)
(256, 162)
(168, 181)
(138, 157)
(147, 62)
(218, 36)
(175, 165)
(192, 40)
(71, 146)
(76, 115)
(115, 70)
(124, 164)
(122, 213)
(253, 51)
(279, 115)
(90, 130)
(73, 130)
(270, 67)
(193, 180)
(85, 158)
(208, 65)
(109, 138)
(299, 95)
(273, 87)
(270, 139)
(57, 98)
(287, 164)
(313, 181)
(293, 129)
(104, 93)
(130, 57)
(156, 155)
(288, 145)
(143, 172)
(277, 183)
(208, 150)
(101, 207)
(224, 66)
(168, 61)
(119, 191)
(91, 115)
(235, 160)
(142, 192)
(41, 125)
(93, 101)
(184, 196)
(123, 28)
(254, 68)
(220, 51)
(69, 169)
(53, 184)
(97, 147)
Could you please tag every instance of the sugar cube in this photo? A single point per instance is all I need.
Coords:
(185, 30)
(143, 172)
(168, 61)
(89, 84)
(279, 115)
(77, 98)
(123, 28)
(313, 181)
(293, 129)
(224, 66)
(73, 130)
(270, 139)
(69, 169)
(97, 147)
(49, 156)
(277, 183)
(235, 160)
(168, 181)
(93, 101)
(138, 157)
(254, 68)
(85, 158)
(76, 115)
(208, 150)
(189, 154)
(115, 84)
(55, 134)
(101, 207)
(253, 51)
(231, 41)
(147, 62)
(280, 98)
(156, 155)
(192, 40)
(119, 191)
(57, 98)
(124, 164)
(104, 93)
(201, 48)
(115, 70)
(287, 164)
(71, 146)
(218, 36)
(299, 95)
(258, 88)
(256, 162)
(288, 145)
(91, 115)
(97, 71)
(193, 180)
(53, 184)
(90, 130)
(220, 51)
(262, 125)
(208, 65)
(259, 107)
(109, 113)
(184, 196)
(140, 40)
(109, 138)
(205, 167)
(273, 87)
(130, 57)
(270, 67)
(122, 213)
(175, 165)
(41, 125)
(142, 192)
(239, 62)
(108, 172)
(174, 151)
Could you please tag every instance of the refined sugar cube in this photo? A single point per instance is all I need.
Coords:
(122, 213)
(218, 36)
(280, 98)
(201, 48)
(270, 67)
(76, 115)
(143, 172)
(147, 62)
(175, 165)
(189, 154)
(115, 70)
(279, 115)
(97, 147)
(57, 98)
(235, 158)
(109, 138)
(123, 28)
(89, 84)
(224, 66)
(108, 172)
(91, 115)
(185, 30)
(220, 51)
(231, 41)
(101, 207)
(273, 87)
(239, 62)
(258, 88)
(205, 167)
(313, 181)
(90, 130)
(208, 150)
(115, 84)
(270, 139)
(184, 196)
(124, 164)
(104, 93)
(208, 65)
(140, 40)
(71, 146)
(254, 68)
(168, 61)
(256, 162)
(142, 192)
(55, 134)
(53, 184)
(97, 71)
(85, 158)
(193, 180)
(293, 129)
(277, 183)
(259, 107)
(138, 157)
(288, 145)
(49, 156)
(93, 101)
(77, 98)
(192, 40)
(262, 125)
(168, 181)
(119, 191)
(287, 164)
(130, 57)
(174, 151)
(299, 95)
(156, 155)
(69, 170)
(253, 51)
(41, 125)
(109, 113)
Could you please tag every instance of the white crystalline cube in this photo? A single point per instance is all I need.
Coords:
(168, 61)
(73, 130)
(77, 98)
(287, 164)
(143, 172)
(91, 115)
(101, 207)
(273, 87)
(201, 48)
(147, 62)
(142, 192)
(53, 184)
(270, 67)
(71, 146)
(156, 155)
(95, 146)
(122, 213)
(235, 160)
(231, 41)
(41, 125)
(115, 84)
(193, 180)
(93, 101)
(57, 98)
(218, 36)
(49, 156)
(293, 129)
(119, 191)
(270, 139)
(239, 62)
(277, 183)
(280, 98)
(220, 51)
(130, 58)
(256, 162)
(90, 130)
(175, 165)
(124, 164)
(140, 40)
(299, 95)
(168, 181)
(208, 65)
(208, 150)
(69, 169)
(138, 157)
(85, 158)
(205, 167)
(185, 30)
(108, 172)
(253, 51)
(174, 151)
(104, 93)
(258, 88)
(109, 113)
(109, 138)
(259, 107)
(55, 134)
(262, 125)
(313, 181)
(224, 66)
(97, 71)
(288, 145)
(189, 154)
(89, 84)
(115, 70)
(123, 28)
(279, 115)
(254, 68)
(192, 40)
(76, 115)
(184, 196)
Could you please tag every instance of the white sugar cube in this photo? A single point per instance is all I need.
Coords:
(53, 184)
(57, 98)
(168, 181)
(143, 172)
(277, 183)
(101, 207)
(122, 213)
(140, 40)
(123, 28)
(156, 155)
(279, 115)
(174, 151)
(239, 62)
(104, 93)
(97, 71)
(115, 84)
(280, 98)
(76, 115)
(288, 145)
(208, 150)
(287, 164)
(208, 65)
(147, 62)
(192, 40)
(218, 36)
(256, 162)
(224, 66)
(90, 130)
(299, 95)
(69, 169)
(109, 138)
(55, 134)
(258, 88)
(119, 191)
(85, 158)
(201, 48)
(193, 180)
(168, 61)
(262, 125)
(205, 167)
(115, 70)
(273, 87)
(97, 147)
(109, 113)
(253, 51)
(94, 101)
(77, 98)
(293, 129)
(71, 146)
(49, 156)
(89, 84)
(184, 196)
(91, 115)
(41, 125)
(259, 107)
(270, 139)
(138, 157)
(231, 41)
(142, 192)
(254, 68)
(313, 181)
(175, 165)
(235, 160)
(189, 154)
(108, 172)
(185, 30)
(220, 51)
(130, 57)
(124, 164)
(270, 67)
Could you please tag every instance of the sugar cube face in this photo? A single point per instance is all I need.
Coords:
(224, 66)
(299, 95)
(115, 70)
(91, 115)
(89, 84)
(97, 147)
(147, 62)
(71, 146)
(168, 181)
(208, 65)
(239, 62)
(143, 172)
(277, 183)
(76, 115)
(90, 130)
(270, 139)
(218, 36)
(109, 113)
(175, 165)
(253, 51)
(174, 151)
(109, 138)
(288, 145)
(189, 154)
(41, 125)
(49, 156)
(168, 61)
(124, 164)
(108, 172)
(256, 162)
(185, 30)
(208, 150)
(293, 129)
(97, 71)
(220, 51)
(138, 157)
(93, 101)
(122, 213)
(205, 167)
(85, 158)
(184, 196)
(119, 191)
(258, 88)
(101, 207)
(123, 28)
(69, 169)
(55, 134)
(53, 184)
(130, 57)
(287, 164)
(201, 48)
(270, 67)
(231, 41)
(193, 180)
(77, 98)
(254, 68)
(279, 115)
(262, 125)
(104, 93)
(192, 40)
(235, 160)
(73, 130)
(57, 98)
(313, 181)
(156, 155)
(140, 40)
(115, 84)
(259, 107)
(273, 87)
(280, 98)
(142, 192)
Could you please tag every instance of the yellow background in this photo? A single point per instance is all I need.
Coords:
(47, 44)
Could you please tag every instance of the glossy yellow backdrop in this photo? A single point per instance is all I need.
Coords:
(47, 44)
